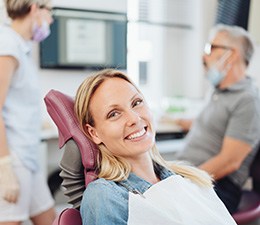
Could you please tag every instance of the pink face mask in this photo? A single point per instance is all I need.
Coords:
(40, 32)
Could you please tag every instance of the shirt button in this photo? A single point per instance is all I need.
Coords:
(215, 97)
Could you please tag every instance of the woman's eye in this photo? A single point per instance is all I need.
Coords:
(137, 102)
(112, 114)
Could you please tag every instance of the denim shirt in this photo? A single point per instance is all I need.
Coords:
(106, 202)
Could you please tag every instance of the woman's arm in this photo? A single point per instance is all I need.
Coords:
(8, 179)
(8, 66)
(104, 203)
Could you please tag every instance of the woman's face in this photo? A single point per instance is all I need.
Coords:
(123, 121)
(45, 13)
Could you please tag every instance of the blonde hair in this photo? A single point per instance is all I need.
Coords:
(20, 8)
(113, 167)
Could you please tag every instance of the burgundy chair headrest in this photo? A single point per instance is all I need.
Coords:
(61, 109)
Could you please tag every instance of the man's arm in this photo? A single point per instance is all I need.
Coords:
(185, 124)
(229, 159)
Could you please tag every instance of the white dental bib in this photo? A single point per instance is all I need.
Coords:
(177, 201)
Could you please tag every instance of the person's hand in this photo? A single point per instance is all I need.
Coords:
(9, 186)
(185, 124)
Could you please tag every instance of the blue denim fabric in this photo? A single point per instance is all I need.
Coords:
(106, 202)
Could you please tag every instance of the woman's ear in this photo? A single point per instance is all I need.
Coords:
(33, 9)
(34, 13)
(93, 133)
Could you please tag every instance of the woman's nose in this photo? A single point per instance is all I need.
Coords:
(132, 117)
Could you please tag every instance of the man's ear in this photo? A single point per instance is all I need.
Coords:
(234, 56)
(93, 133)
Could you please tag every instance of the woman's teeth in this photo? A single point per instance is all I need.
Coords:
(136, 135)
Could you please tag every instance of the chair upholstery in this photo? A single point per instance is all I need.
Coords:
(61, 109)
(72, 174)
(249, 207)
(68, 216)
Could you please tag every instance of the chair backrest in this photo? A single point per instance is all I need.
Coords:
(61, 109)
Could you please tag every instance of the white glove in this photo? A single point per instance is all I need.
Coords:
(9, 186)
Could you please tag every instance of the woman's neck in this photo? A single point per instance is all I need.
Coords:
(144, 168)
(21, 26)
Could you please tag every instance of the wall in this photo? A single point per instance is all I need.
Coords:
(188, 80)
(254, 18)
(169, 36)
(68, 81)
(254, 29)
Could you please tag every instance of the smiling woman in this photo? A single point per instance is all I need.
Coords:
(132, 176)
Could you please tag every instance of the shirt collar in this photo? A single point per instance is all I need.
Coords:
(137, 183)
(240, 85)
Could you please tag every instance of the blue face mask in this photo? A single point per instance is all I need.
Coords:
(215, 76)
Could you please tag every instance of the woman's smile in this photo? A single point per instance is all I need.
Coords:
(136, 135)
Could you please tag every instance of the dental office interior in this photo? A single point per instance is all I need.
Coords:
(160, 47)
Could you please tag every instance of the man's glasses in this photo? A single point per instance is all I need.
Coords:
(209, 47)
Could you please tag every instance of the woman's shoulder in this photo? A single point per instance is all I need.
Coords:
(6, 34)
(104, 201)
(101, 194)
(101, 183)
(8, 43)
(104, 189)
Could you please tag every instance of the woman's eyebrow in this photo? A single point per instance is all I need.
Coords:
(134, 96)
(112, 106)
(131, 99)
(116, 105)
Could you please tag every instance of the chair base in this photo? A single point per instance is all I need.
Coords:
(68, 216)
(249, 208)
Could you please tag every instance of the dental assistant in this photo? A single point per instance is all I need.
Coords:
(24, 193)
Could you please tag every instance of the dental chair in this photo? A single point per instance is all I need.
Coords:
(249, 207)
(78, 164)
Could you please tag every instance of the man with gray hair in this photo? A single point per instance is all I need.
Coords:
(224, 139)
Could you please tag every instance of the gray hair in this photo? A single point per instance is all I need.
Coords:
(237, 37)
(20, 8)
